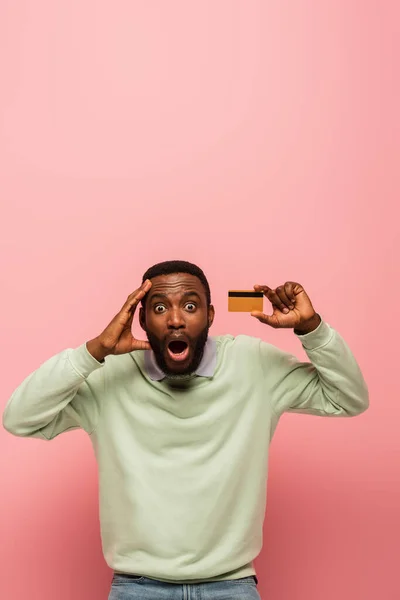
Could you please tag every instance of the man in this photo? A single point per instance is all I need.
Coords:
(181, 426)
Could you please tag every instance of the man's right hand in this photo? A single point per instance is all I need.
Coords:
(117, 337)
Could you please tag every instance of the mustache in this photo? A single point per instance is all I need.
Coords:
(167, 339)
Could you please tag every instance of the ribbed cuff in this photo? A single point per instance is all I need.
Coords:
(319, 337)
(82, 361)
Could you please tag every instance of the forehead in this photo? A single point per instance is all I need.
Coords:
(176, 283)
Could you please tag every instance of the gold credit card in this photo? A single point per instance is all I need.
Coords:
(245, 300)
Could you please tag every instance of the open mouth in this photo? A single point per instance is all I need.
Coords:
(178, 350)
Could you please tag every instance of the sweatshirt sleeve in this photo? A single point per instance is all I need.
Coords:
(64, 393)
(330, 385)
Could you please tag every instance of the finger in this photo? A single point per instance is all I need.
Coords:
(263, 289)
(289, 289)
(125, 315)
(273, 297)
(134, 298)
(143, 289)
(285, 300)
(129, 322)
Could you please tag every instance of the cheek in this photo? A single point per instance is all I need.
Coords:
(150, 322)
(198, 323)
(155, 323)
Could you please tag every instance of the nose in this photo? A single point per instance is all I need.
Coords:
(176, 320)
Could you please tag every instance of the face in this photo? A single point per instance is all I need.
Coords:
(176, 320)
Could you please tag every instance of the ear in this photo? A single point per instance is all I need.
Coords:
(142, 318)
(211, 315)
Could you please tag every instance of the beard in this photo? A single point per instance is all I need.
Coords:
(159, 348)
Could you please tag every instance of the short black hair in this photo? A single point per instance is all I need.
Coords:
(177, 266)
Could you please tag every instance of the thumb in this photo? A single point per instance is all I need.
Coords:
(140, 345)
(263, 318)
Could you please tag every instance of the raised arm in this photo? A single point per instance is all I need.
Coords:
(66, 391)
(331, 384)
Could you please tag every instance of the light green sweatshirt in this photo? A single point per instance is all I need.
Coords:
(183, 465)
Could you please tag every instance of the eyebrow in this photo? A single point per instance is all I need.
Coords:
(165, 296)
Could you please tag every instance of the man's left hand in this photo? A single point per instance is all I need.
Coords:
(292, 308)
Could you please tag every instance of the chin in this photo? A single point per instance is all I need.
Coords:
(178, 376)
(179, 371)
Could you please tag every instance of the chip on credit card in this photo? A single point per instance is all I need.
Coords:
(245, 300)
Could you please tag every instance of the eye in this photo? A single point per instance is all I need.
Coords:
(191, 304)
(157, 306)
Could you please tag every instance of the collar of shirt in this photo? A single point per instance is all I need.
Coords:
(206, 367)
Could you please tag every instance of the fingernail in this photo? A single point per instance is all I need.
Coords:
(285, 310)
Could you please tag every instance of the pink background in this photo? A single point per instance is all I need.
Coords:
(259, 139)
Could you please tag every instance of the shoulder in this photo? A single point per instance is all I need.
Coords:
(247, 345)
(244, 354)
(122, 365)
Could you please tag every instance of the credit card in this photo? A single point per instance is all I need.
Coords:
(245, 300)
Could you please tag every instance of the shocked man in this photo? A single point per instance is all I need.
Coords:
(181, 425)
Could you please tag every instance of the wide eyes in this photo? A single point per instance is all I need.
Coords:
(160, 308)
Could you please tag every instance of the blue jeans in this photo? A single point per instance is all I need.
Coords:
(132, 587)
